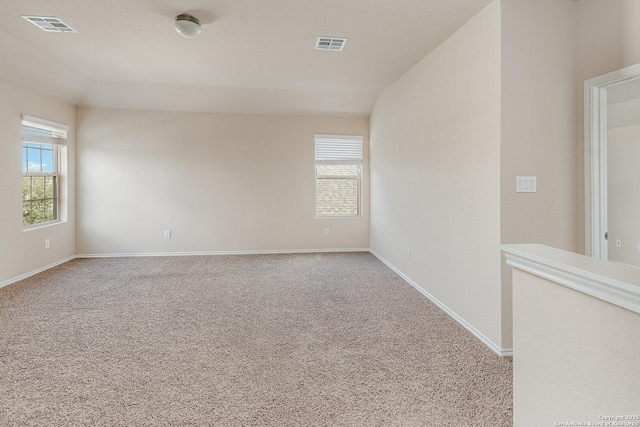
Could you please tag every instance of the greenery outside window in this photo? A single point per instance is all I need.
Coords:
(42, 143)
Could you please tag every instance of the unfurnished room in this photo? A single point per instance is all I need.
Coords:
(305, 213)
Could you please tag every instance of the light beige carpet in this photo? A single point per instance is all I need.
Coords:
(260, 340)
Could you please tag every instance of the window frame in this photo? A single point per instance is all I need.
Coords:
(339, 162)
(43, 135)
(55, 174)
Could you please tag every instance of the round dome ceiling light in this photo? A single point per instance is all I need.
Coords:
(187, 26)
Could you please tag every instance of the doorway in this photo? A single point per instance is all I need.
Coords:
(612, 177)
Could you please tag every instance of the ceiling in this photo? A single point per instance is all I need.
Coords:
(253, 56)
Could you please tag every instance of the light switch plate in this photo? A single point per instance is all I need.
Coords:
(526, 184)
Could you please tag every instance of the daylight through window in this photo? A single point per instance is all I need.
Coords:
(338, 170)
(41, 146)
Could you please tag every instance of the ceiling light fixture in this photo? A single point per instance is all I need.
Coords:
(187, 26)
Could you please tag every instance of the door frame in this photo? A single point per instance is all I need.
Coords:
(595, 157)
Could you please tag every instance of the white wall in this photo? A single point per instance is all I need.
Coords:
(575, 356)
(23, 252)
(623, 195)
(608, 36)
(435, 174)
(538, 128)
(538, 121)
(219, 182)
(608, 39)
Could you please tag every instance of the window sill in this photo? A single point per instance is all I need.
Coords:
(339, 217)
(42, 225)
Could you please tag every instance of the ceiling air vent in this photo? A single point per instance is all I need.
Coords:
(330, 43)
(50, 24)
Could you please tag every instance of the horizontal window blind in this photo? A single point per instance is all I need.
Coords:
(338, 149)
(43, 131)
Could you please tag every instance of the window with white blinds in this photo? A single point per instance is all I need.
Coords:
(338, 170)
(41, 150)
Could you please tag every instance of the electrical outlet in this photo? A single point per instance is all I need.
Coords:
(167, 234)
(326, 231)
(47, 244)
(618, 243)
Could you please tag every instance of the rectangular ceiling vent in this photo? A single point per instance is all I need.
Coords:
(330, 43)
(50, 24)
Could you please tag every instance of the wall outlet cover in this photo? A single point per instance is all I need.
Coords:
(526, 184)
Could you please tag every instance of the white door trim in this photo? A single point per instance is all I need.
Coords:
(595, 157)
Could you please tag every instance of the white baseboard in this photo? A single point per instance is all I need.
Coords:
(201, 253)
(34, 272)
(486, 341)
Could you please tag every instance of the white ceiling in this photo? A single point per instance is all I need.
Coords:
(253, 56)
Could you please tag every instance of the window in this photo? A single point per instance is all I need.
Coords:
(338, 170)
(42, 143)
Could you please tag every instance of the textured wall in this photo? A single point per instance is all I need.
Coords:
(219, 182)
(575, 356)
(435, 174)
(608, 39)
(22, 252)
(538, 128)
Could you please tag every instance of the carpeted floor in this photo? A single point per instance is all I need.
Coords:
(259, 340)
